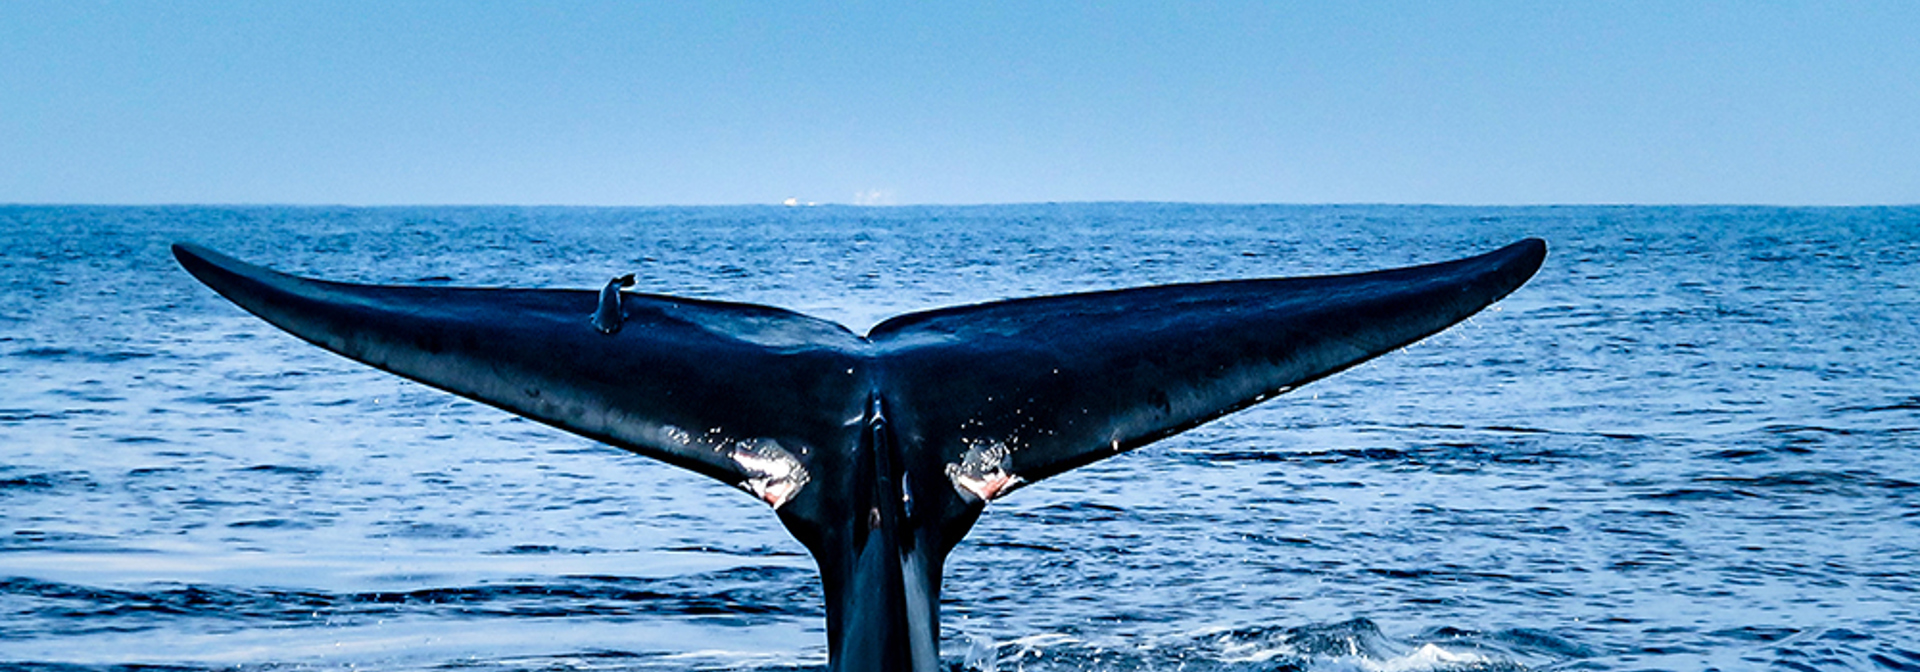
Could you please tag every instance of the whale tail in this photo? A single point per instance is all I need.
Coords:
(878, 452)
(1005, 393)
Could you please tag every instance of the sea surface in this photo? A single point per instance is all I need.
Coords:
(1692, 442)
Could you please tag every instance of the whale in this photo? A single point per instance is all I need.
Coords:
(877, 452)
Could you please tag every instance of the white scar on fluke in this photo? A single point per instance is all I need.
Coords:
(774, 475)
(983, 472)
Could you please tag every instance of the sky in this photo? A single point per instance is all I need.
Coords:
(691, 103)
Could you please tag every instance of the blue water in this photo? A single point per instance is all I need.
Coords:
(1690, 443)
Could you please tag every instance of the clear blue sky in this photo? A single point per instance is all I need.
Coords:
(649, 103)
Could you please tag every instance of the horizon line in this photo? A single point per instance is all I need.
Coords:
(982, 204)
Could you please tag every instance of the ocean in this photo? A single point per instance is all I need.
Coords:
(1692, 442)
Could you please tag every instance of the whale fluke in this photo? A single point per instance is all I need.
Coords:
(877, 452)
(1061, 381)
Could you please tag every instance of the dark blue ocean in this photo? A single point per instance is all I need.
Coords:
(1692, 442)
